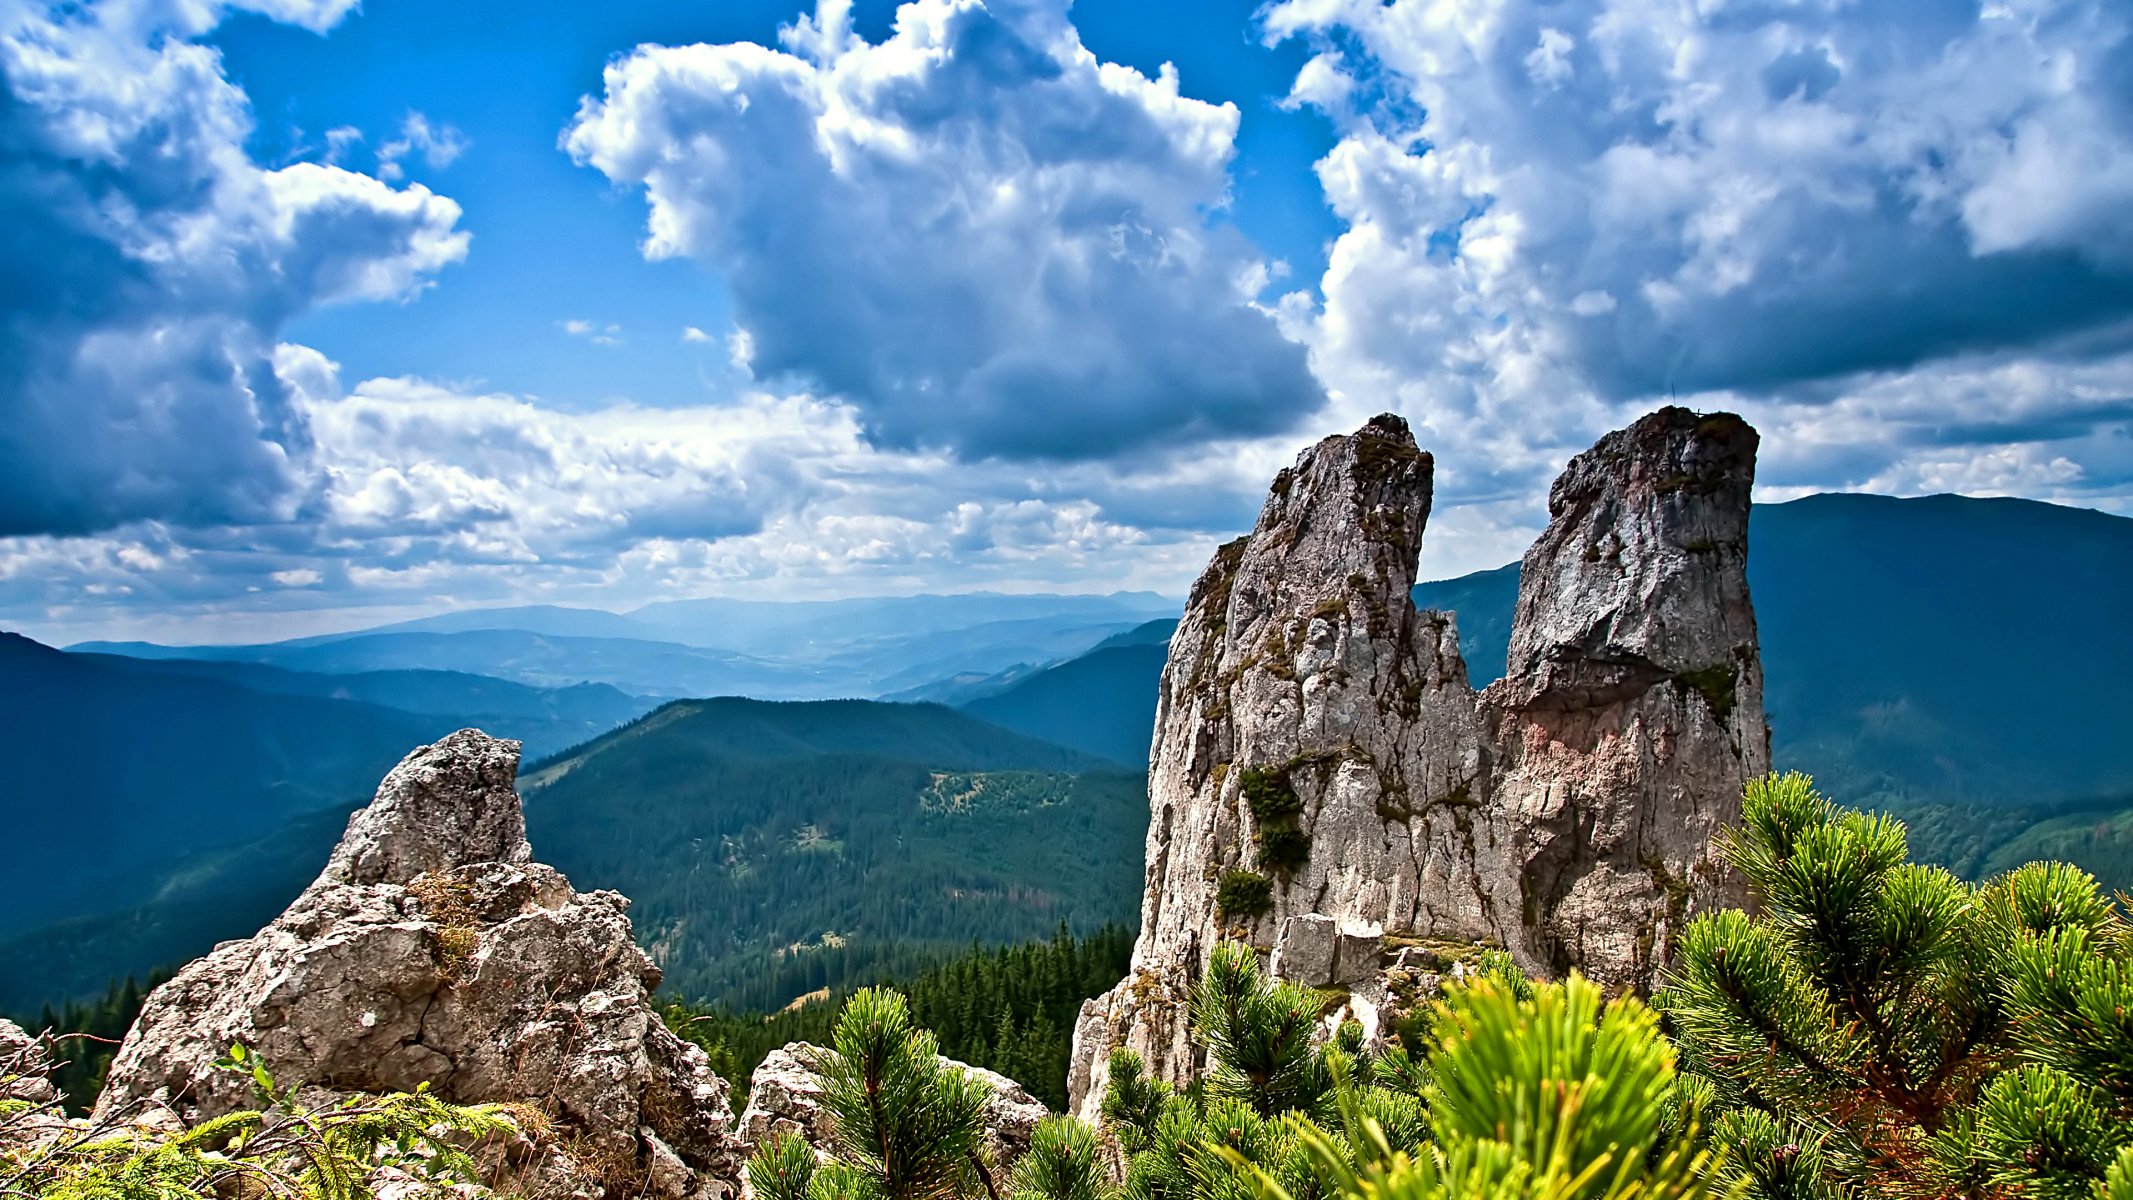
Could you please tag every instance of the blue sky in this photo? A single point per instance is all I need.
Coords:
(559, 243)
(316, 314)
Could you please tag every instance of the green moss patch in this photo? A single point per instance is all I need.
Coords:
(1244, 893)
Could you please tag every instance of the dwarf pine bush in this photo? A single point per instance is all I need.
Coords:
(1885, 1028)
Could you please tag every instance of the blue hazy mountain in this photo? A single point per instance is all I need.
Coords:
(802, 650)
(113, 768)
(547, 720)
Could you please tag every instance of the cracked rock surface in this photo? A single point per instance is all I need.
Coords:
(433, 949)
(1327, 786)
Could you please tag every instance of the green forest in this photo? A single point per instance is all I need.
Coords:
(1009, 1010)
(771, 850)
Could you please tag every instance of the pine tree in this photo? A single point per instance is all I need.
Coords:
(907, 1125)
(1886, 1027)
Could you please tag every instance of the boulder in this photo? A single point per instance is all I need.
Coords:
(432, 949)
(26, 1068)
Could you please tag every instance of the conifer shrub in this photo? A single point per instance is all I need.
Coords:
(907, 1124)
(282, 1148)
(1886, 1029)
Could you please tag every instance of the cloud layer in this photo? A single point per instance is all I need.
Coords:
(980, 236)
(1557, 211)
(147, 265)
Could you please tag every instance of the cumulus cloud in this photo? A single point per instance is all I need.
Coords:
(147, 265)
(1558, 212)
(975, 232)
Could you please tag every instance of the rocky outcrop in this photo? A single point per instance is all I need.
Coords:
(1327, 786)
(29, 1104)
(1632, 713)
(433, 949)
(785, 1096)
(25, 1067)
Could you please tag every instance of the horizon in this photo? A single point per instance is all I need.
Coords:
(366, 621)
(327, 314)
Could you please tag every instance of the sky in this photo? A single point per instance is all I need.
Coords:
(315, 315)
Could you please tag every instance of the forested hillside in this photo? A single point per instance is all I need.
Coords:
(774, 849)
(112, 771)
(771, 849)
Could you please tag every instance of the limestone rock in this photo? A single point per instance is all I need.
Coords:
(784, 1096)
(432, 949)
(26, 1069)
(1321, 760)
(1632, 715)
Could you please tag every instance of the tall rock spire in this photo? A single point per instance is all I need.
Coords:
(1325, 783)
(1632, 715)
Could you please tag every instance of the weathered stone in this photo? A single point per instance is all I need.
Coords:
(1357, 958)
(785, 1096)
(1632, 715)
(1304, 951)
(1564, 815)
(432, 950)
(25, 1067)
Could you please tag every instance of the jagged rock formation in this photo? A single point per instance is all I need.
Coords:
(784, 1096)
(1327, 785)
(1632, 713)
(433, 949)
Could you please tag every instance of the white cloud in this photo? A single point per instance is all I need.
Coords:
(978, 234)
(415, 491)
(1561, 213)
(150, 265)
(694, 336)
(598, 334)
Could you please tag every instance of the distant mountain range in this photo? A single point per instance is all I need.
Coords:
(825, 649)
(1960, 662)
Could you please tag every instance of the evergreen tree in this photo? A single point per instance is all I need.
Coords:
(1885, 1027)
(907, 1125)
